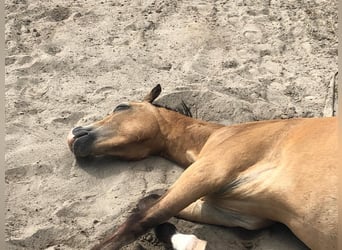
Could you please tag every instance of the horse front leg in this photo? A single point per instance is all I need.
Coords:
(195, 182)
(133, 227)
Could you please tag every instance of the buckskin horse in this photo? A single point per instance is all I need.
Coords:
(247, 175)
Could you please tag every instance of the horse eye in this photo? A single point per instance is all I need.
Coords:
(121, 106)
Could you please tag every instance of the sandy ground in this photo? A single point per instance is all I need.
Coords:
(71, 62)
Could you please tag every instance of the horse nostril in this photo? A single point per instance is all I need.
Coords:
(79, 132)
(74, 130)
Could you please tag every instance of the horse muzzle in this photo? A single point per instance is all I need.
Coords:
(80, 141)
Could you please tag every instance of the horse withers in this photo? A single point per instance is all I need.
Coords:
(247, 175)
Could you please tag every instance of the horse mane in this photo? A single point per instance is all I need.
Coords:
(181, 109)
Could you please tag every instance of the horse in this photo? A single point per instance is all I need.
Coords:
(247, 175)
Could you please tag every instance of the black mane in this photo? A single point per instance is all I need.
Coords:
(182, 108)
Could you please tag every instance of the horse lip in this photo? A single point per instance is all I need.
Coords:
(71, 140)
(76, 133)
(80, 140)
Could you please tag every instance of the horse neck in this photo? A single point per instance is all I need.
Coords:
(183, 137)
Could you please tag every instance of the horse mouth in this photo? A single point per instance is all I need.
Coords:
(79, 141)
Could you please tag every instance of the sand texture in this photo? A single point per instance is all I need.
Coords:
(70, 63)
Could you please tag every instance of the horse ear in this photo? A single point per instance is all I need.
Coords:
(155, 92)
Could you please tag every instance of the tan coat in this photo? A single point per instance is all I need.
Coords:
(248, 175)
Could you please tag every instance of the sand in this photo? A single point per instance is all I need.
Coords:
(69, 63)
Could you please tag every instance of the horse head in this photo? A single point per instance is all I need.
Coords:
(131, 131)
